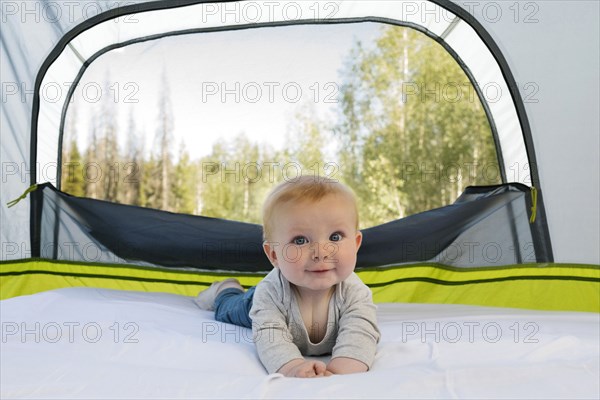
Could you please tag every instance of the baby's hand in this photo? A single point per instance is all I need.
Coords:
(300, 368)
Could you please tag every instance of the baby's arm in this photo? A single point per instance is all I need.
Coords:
(346, 365)
(358, 333)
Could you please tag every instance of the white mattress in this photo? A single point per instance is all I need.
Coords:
(96, 343)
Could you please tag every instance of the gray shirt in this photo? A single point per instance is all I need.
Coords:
(280, 334)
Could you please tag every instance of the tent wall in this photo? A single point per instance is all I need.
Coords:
(26, 40)
(555, 70)
(553, 53)
(487, 226)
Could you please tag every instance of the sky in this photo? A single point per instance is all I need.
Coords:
(223, 83)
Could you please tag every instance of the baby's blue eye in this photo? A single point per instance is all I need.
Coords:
(335, 237)
(300, 240)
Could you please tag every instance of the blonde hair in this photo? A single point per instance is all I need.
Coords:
(302, 188)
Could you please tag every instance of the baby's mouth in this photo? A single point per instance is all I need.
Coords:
(319, 271)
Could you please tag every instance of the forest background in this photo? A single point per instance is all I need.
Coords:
(409, 136)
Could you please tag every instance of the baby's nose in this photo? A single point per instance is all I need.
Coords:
(321, 250)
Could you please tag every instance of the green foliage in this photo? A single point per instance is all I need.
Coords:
(184, 183)
(411, 134)
(233, 180)
(414, 124)
(72, 172)
(306, 141)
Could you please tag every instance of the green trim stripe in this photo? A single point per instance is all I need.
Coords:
(29, 277)
(569, 287)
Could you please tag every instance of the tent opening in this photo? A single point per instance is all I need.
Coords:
(206, 123)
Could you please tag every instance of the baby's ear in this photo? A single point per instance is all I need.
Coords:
(269, 248)
(358, 239)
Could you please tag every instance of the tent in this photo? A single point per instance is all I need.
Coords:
(46, 44)
(540, 228)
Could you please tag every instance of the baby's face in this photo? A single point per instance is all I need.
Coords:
(314, 244)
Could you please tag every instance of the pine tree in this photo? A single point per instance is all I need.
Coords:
(92, 171)
(163, 140)
(72, 172)
(72, 161)
(131, 192)
(109, 157)
(183, 184)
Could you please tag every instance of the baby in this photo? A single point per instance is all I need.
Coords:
(312, 303)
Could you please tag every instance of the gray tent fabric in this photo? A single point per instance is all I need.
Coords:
(486, 226)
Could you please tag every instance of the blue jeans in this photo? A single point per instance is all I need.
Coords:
(233, 306)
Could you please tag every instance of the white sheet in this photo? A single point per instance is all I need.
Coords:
(96, 343)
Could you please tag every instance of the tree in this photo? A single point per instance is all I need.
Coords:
(132, 192)
(72, 161)
(235, 178)
(216, 196)
(163, 140)
(92, 171)
(183, 184)
(307, 140)
(72, 171)
(409, 121)
(110, 160)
